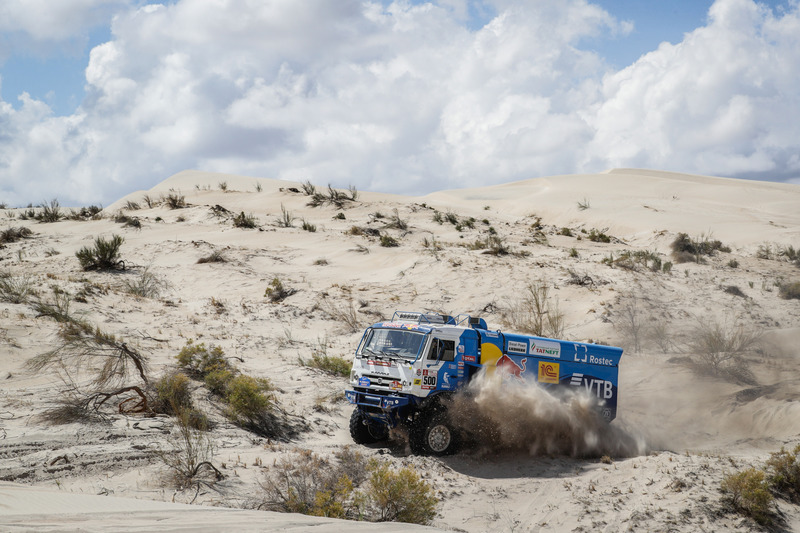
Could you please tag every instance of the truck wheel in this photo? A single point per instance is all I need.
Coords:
(366, 433)
(433, 435)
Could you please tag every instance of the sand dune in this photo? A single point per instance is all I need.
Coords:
(691, 428)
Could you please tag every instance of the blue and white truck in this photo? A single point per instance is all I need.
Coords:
(406, 370)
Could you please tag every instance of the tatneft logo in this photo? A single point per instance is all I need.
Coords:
(545, 348)
(548, 372)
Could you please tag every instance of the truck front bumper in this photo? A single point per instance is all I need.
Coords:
(386, 408)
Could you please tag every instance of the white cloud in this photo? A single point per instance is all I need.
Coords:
(43, 24)
(405, 97)
(723, 101)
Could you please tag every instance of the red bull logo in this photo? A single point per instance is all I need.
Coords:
(548, 372)
(508, 365)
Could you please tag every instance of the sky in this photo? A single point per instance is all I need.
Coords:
(100, 98)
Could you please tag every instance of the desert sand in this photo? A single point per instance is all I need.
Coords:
(679, 430)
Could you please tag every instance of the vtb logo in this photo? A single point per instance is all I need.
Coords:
(548, 372)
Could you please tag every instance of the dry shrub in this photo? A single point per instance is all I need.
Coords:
(345, 314)
(214, 257)
(784, 475)
(790, 291)
(348, 487)
(146, 285)
(16, 290)
(535, 312)
(81, 346)
(189, 452)
(721, 347)
(747, 492)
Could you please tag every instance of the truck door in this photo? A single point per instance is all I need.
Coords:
(439, 369)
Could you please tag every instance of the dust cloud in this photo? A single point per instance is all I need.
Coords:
(501, 414)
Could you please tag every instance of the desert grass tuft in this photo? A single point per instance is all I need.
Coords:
(103, 256)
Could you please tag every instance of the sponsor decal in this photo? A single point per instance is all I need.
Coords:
(396, 385)
(545, 348)
(451, 366)
(461, 364)
(600, 361)
(548, 372)
(460, 348)
(419, 372)
(517, 347)
(508, 365)
(492, 334)
(469, 358)
(417, 381)
(429, 382)
(364, 382)
(445, 381)
(599, 387)
(379, 363)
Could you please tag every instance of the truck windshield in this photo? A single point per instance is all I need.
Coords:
(393, 343)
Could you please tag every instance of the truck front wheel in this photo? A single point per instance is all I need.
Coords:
(363, 432)
(433, 434)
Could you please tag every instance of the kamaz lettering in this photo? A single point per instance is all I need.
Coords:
(423, 359)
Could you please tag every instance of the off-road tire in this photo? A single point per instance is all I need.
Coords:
(433, 434)
(365, 433)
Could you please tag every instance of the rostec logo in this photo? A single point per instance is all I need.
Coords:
(548, 372)
(599, 387)
(546, 348)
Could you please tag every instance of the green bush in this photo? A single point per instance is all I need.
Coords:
(14, 234)
(388, 241)
(748, 493)
(685, 249)
(244, 221)
(401, 496)
(50, 212)
(104, 255)
(598, 236)
(784, 473)
(172, 394)
(277, 291)
(331, 364)
(247, 398)
(174, 201)
(200, 361)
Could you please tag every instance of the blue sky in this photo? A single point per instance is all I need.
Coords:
(102, 97)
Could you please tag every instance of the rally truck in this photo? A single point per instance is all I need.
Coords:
(406, 370)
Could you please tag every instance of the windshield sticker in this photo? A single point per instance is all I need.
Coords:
(379, 363)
